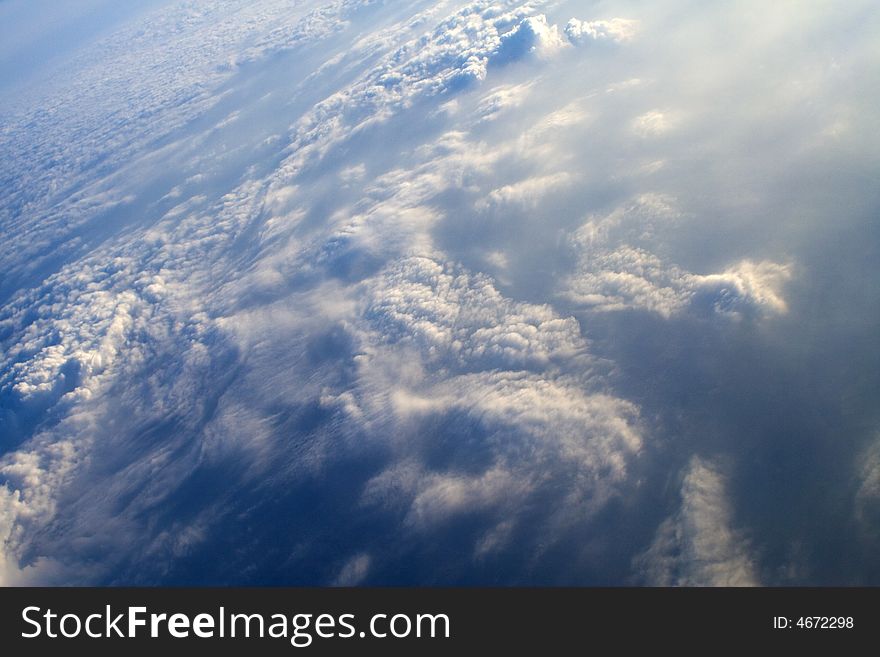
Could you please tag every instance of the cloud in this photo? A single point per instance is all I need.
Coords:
(441, 496)
(502, 98)
(498, 365)
(613, 274)
(616, 30)
(520, 428)
(77, 138)
(745, 285)
(354, 571)
(653, 123)
(532, 35)
(526, 193)
(698, 545)
(281, 278)
(454, 316)
(450, 58)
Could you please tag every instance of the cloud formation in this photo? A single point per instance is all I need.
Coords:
(698, 546)
(352, 292)
(616, 30)
(502, 366)
(614, 273)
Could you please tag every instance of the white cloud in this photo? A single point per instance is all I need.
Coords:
(698, 546)
(545, 437)
(440, 341)
(615, 30)
(502, 98)
(354, 571)
(457, 317)
(439, 496)
(653, 123)
(612, 274)
(76, 136)
(526, 193)
(451, 57)
(532, 35)
(746, 284)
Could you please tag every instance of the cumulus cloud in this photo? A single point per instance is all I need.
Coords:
(78, 135)
(532, 35)
(698, 546)
(745, 285)
(500, 364)
(449, 58)
(615, 30)
(630, 278)
(614, 274)
(522, 427)
(454, 316)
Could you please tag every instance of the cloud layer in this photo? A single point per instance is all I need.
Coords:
(469, 292)
(697, 546)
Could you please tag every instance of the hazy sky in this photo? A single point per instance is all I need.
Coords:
(37, 36)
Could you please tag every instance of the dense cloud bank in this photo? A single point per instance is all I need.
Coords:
(477, 292)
